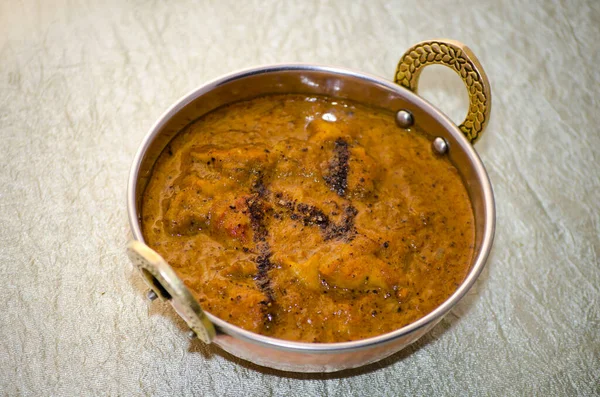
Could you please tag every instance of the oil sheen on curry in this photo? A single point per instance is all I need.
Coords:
(309, 219)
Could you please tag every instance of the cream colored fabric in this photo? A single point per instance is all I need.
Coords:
(82, 81)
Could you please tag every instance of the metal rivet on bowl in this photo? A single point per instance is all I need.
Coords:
(404, 118)
(151, 295)
(440, 145)
(191, 334)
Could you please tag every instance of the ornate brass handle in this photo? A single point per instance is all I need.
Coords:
(165, 283)
(458, 57)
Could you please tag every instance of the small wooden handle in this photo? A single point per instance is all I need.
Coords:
(458, 57)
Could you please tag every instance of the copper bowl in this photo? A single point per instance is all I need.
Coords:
(447, 138)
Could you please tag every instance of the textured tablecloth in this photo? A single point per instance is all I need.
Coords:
(81, 82)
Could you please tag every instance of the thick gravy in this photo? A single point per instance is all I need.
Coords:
(309, 219)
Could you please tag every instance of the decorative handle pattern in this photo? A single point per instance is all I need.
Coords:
(166, 284)
(458, 57)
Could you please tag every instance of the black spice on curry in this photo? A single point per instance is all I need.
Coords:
(309, 219)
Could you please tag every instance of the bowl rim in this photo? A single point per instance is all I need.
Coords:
(308, 347)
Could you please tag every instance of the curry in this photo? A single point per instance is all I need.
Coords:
(309, 218)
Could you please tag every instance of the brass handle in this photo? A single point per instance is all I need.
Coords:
(163, 280)
(461, 59)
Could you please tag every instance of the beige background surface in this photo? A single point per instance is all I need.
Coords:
(82, 81)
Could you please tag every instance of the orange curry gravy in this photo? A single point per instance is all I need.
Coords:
(309, 219)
